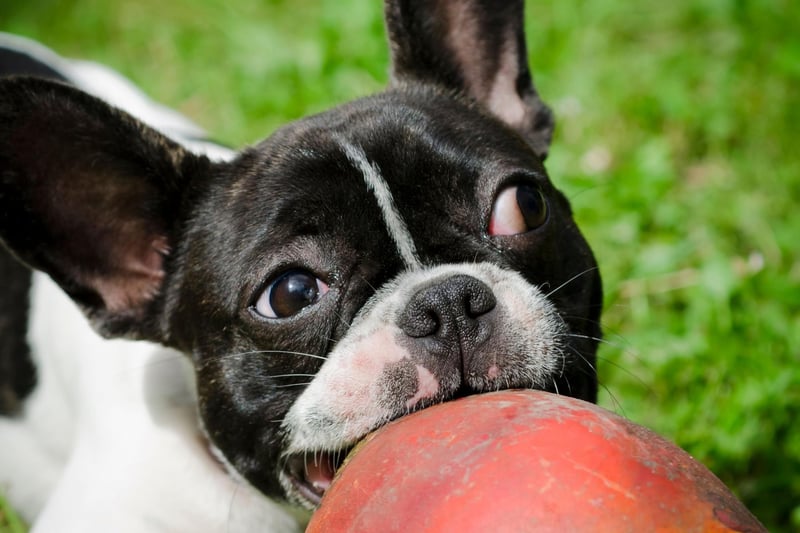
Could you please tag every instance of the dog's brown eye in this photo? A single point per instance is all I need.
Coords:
(289, 294)
(518, 209)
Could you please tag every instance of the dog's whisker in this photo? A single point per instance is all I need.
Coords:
(278, 352)
(209, 360)
(618, 366)
(618, 408)
(600, 340)
(581, 356)
(564, 313)
(570, 280)
(290, 385)
(588, 337)
(606, 359)
(593, 372)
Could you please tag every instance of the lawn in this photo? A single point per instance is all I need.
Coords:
(677, 142)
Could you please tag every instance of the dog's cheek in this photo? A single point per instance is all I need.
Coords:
(366, 382)
(240, 416)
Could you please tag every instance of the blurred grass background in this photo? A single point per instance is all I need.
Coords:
(678, 141)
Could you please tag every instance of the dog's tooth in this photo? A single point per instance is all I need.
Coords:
(319, 472)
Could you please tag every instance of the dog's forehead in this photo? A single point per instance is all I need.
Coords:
(424, 152)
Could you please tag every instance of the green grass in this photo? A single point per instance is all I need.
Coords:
(9, 521)
(677, 141)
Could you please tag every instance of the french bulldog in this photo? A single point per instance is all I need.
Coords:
(252, 315)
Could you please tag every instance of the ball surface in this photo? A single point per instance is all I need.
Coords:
(524, 461)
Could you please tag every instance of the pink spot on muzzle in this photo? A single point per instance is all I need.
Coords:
(427, 386)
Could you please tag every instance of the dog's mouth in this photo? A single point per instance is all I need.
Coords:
(311, 473)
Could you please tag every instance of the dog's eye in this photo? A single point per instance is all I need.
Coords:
(518, 209)
(290, 293)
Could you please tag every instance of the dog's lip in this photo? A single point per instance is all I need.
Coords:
(311, 473)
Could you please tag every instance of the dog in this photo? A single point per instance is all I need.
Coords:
(252, 315)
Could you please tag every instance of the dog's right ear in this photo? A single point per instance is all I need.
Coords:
(476, 48)
(92, 197)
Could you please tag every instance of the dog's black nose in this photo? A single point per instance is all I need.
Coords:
(450, 314)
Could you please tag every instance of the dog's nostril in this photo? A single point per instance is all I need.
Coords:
(478, 300)
(438, 307)
(419, 320)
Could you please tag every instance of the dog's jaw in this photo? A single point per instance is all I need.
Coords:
(379, 371)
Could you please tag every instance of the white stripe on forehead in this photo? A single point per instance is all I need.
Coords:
(391, 217)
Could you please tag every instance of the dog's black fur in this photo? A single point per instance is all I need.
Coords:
(17, 370)
(157, 243)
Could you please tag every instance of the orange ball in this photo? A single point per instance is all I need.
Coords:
(516, 461)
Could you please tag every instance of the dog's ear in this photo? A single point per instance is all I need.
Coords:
(92, 197)
(476, 47)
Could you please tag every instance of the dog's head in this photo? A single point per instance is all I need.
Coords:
(398, 251)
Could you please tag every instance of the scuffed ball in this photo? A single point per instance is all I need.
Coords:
(524, 461)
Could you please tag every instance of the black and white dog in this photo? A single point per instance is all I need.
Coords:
(398, 251)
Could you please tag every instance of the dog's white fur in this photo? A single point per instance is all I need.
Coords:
(110, 440)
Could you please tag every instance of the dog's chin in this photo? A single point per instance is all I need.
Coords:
(306, 476)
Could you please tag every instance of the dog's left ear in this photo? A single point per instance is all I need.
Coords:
(475, 47)
(92, 197)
